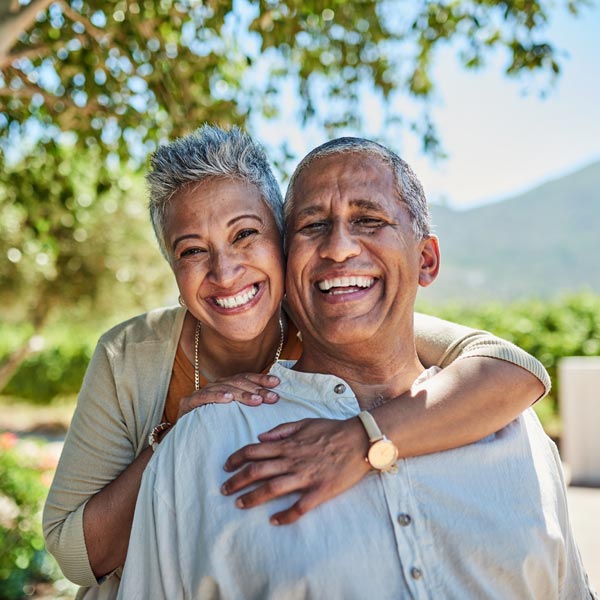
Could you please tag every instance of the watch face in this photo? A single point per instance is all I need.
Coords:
(382, 454)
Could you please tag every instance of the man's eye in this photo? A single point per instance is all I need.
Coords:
(314, 227)
(369, 222)
(244, 233)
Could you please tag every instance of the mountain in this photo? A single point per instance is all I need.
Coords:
(543, 243)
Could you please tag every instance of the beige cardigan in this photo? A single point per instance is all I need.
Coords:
(122, 398)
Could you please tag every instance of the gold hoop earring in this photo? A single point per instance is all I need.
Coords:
(181, 301)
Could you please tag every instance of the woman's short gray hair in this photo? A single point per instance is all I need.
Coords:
(409, 188)
(207, 153)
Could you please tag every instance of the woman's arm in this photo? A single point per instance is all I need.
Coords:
(466, 401)
(97, 449)
(440, 343)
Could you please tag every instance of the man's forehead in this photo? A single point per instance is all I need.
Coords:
(357, 165)
(364, 181)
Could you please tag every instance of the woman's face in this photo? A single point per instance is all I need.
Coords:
(227, 256)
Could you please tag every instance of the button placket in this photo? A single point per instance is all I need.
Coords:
(399, 494)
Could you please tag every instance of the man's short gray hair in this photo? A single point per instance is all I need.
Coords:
(409, 188)
(209, 152)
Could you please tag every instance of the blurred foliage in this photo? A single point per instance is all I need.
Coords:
(127, 73)
(77, 245)
(76, 234)
(548, 330)
(25, 474)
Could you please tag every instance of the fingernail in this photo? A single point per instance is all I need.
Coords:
(274, 521)
(228, 395)
(239, 503)
(272, 395)
(256, 397)
(226, 467)
(273, 379)
(224, 489)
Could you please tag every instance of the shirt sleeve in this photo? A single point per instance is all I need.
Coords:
(441, 342)
(97, 450)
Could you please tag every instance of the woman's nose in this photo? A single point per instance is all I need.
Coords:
(225, 268)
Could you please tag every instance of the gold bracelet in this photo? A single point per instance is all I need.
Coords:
(154, 437)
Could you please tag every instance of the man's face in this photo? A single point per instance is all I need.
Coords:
(354, 263)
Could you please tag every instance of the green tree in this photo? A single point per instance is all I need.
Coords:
(77, 239)
(126, 73)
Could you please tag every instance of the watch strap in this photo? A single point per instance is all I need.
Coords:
(371, 427)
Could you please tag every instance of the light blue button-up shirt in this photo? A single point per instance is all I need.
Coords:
(488, 520)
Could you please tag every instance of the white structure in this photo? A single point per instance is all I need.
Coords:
(579, 394)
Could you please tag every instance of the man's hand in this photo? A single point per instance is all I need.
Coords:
(320, 458)
(248, 388)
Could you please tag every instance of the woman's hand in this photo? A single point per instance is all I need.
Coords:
(320, 458)
(248, 388)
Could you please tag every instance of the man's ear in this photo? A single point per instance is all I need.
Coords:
(430, 260)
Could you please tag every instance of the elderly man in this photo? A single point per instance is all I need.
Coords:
(488, 520)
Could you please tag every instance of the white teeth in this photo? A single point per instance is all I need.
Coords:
(354, 281)
(239, 300)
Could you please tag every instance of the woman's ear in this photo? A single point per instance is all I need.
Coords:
(430, 261)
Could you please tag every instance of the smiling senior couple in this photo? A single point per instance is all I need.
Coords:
(485, 520)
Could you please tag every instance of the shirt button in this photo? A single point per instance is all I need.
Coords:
(340, 388)
(404, 519)
(416, 573)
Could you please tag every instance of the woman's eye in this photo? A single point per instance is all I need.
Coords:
(192, 252)
(244, 233)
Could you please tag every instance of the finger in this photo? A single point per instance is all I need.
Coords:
(280, 432)
(252, 380)
(261, 395)
(217, 392)
(306, 502)
(244, 389)
(272, 488)
(253, 473)
(251, 452)
(212, 397)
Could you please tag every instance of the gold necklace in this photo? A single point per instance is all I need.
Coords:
(197, 340)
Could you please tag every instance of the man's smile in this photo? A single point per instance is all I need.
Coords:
(346, 287)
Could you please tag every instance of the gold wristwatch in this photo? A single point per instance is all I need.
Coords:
(383, 453)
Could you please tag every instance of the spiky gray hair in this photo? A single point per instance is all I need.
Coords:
(409, 188)
(207, 153)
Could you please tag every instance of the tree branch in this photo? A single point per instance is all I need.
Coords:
(14, 22)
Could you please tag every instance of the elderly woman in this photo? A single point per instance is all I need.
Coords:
(217, 214)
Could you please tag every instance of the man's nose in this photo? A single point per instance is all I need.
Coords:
(225, 268)
(339, 243)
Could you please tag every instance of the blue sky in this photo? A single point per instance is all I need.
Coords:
(500, 135)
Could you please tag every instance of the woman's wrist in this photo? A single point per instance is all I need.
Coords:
(157, 434)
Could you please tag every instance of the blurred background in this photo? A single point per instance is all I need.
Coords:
(496, 105)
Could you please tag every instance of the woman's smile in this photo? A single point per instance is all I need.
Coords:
(241, 300)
